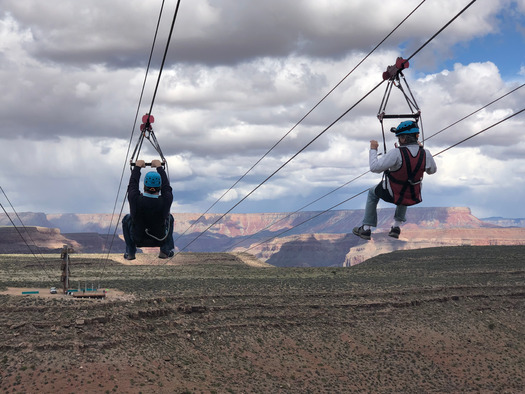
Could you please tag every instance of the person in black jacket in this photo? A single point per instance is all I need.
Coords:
(149, 223)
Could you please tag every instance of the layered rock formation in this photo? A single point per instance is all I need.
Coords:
(32, 240)
(425, 238)
(282, 239)
(36, 240)
(503, 222)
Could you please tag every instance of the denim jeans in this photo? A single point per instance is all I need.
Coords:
(131, 247)
(370, 218)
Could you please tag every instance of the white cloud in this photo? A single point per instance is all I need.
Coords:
(65, 175)
(238, 77)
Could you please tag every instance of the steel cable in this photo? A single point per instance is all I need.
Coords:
(129, 149)
(136, 117)
(132, 133)
(25, 241)
(364, 191)
(322, 132)
(21, 222)
(283, 165)
(359, 176)
(301, 120)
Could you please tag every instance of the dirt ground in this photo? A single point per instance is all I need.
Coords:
(410, 323)
(150, 257)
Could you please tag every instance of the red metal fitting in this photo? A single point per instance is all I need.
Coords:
(393, 70)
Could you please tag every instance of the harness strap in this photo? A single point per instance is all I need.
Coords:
(165, 235)
(410, 183)
(422, 157)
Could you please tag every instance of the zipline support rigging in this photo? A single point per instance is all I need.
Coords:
(66, 271)
(146, 131)
(394, 76)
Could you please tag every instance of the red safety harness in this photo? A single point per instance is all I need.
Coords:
(406, 181)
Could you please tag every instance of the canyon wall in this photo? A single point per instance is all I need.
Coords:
(282, 239)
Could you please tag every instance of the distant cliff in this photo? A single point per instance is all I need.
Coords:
(36, 240)
(426, 238)
(281, 239)
(503, 222)
(238, 225)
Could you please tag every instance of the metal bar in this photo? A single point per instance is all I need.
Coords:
(414, 115)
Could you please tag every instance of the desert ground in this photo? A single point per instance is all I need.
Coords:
(431, 320)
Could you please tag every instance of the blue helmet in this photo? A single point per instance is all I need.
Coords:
(406, 127)
(152, 179)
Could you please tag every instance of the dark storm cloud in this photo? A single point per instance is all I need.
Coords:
(119, 33)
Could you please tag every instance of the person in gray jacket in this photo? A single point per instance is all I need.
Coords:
(403, 170)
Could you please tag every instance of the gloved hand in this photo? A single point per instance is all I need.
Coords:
(140, 163)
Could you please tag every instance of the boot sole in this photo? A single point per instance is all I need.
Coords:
(365, 237)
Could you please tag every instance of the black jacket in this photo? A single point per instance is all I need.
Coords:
(146, 212)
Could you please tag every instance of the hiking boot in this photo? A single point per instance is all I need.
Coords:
(361, 232)
(394, 232)
(163, 255)
(129, 256)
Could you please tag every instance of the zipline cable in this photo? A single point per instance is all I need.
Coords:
(151, 134)
(298, 210)
(283, 165)
(359, 176)
(165, 56)
(322, 132)
(480, 109)
(482, 131)
(136, 117)
(22, 223)
(25, 241)
(157, 147)
(307, 220)
(364, 191)
(301, 120)
(440, 30)
(129, 147)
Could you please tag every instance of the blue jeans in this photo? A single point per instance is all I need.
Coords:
(131, 247)
(370, 218)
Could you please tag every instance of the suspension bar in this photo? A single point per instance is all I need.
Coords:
(132, 164)
(414, 115)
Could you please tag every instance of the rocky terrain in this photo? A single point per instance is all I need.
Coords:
(51, 240)
(281, 239)
(447, 319)
(503, 222)
(243, 225)
(305, 250)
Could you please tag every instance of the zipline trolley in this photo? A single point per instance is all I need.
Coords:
(146, 131)
(394, 76)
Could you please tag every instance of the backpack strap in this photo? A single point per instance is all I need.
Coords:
(410, 183)
(421, 159)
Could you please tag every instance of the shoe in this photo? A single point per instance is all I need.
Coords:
(163, 255)
(129, 256)
(361, 232)
(394, 232)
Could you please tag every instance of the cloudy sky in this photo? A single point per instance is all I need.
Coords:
(239, 75)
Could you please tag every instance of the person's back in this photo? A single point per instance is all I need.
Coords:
(149, 222)
(405, 182)
(403, 170)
